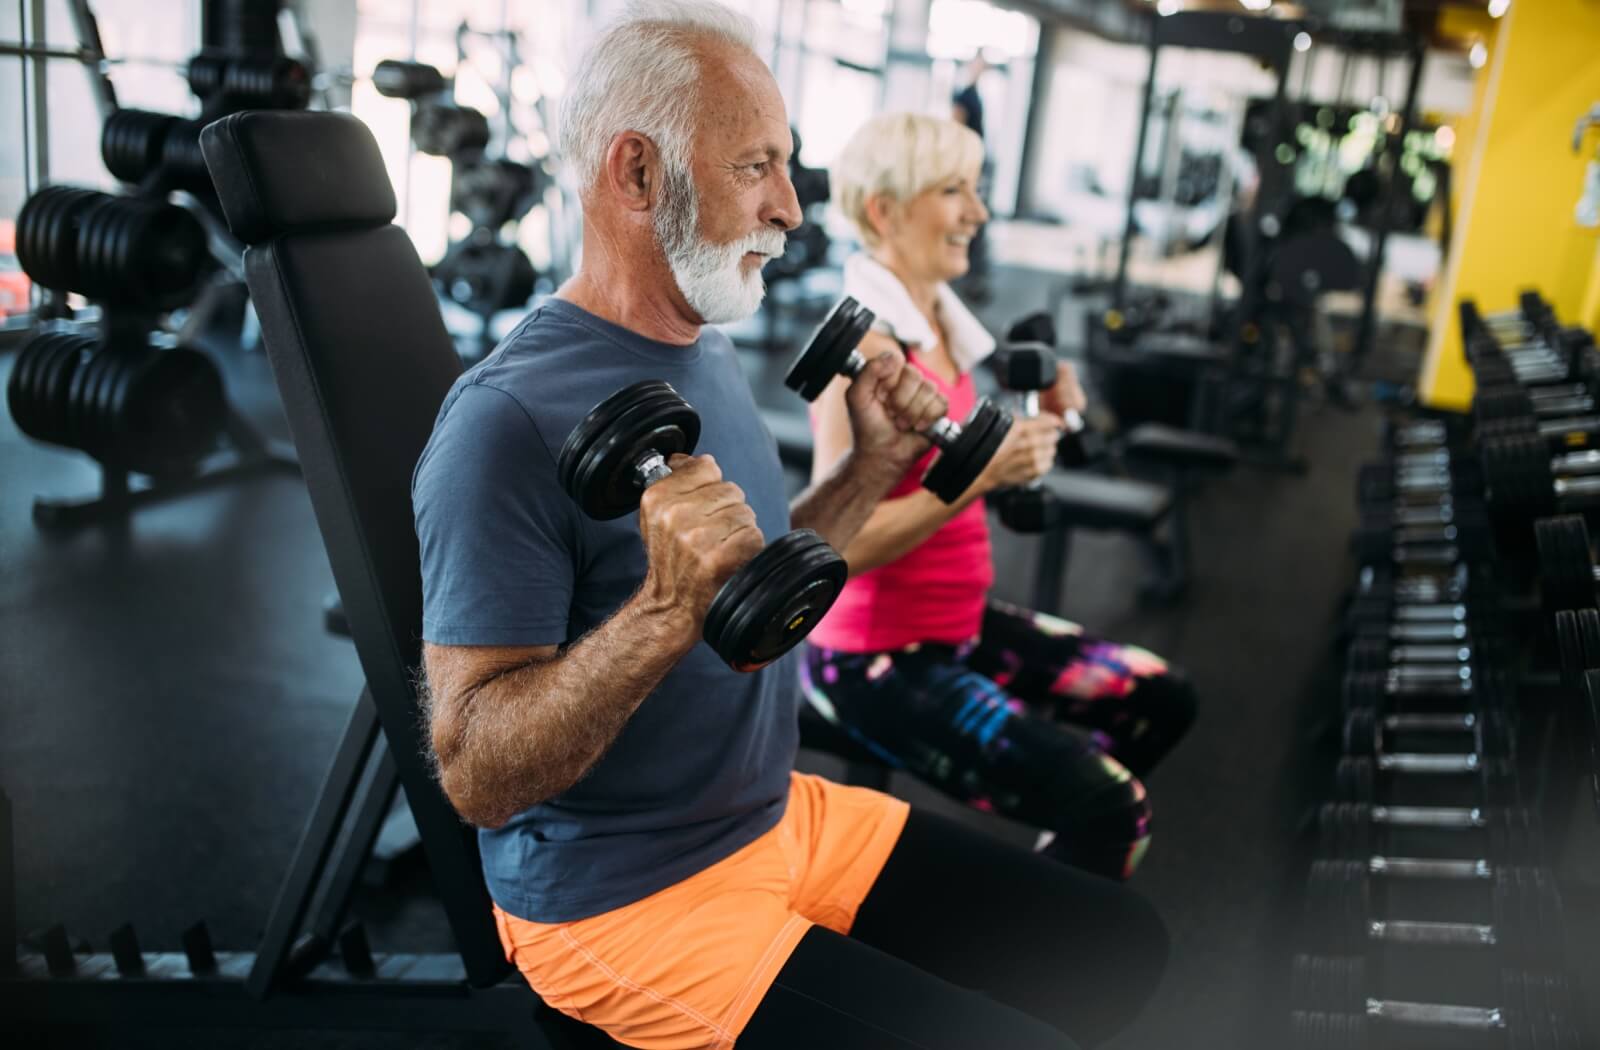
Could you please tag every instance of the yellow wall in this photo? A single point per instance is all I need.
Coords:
(1520, 182)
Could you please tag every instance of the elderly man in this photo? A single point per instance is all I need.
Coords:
(659, 869)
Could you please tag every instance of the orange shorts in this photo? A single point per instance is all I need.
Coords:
(687, 967)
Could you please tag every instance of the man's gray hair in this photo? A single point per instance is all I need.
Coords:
(643, 74)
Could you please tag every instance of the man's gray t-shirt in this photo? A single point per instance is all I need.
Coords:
(508, 559)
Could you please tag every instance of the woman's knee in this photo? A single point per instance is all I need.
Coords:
(1105, 831)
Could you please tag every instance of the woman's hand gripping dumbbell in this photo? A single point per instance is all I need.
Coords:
(966, 448)
(1024, 505)
(704, 550)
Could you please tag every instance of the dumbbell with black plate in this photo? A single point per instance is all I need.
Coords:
(1492, 782)
(1337, 1006)
(1568, 576)
(1435, 479)
(1440, 666)
(1440, 534)
(1477, 841)
(1025, 369)
(1425, 607)
(1486, 733)
(1521, 923)
(1523, 481)
(964, 448)
(766, 608)
(1503, 415)
(1549, 354)
(1523, 918)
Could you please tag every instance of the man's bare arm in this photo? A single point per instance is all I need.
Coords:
(512, 727)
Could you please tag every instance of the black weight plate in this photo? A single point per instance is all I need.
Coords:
(840, 332)
(774, 601)
(169, 255)
(1363, 690)
(1355, 780)
(1038, 327)
(113, 442)
(70, 353)
(39, 228)
(956, 467)
(114, 397)
(98, 225)
(1496, 734)
(1368, 654)
(1502, 403)
(596, 463)
(22, 396)
(79, 413)
(1517, 474)
(105, 444)
(43, 227)
(1569, 647)
(175, 412)
(1566, 566)
(1589, 637)
(1025, 510)
(1361, 732)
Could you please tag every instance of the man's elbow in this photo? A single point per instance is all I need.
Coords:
(471, 804)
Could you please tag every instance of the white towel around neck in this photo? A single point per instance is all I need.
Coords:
(874, 286)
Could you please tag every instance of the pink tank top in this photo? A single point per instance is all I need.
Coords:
(933, 593)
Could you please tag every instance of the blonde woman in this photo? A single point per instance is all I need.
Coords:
(1008, 710)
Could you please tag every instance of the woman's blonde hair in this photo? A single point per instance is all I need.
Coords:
(899, 155)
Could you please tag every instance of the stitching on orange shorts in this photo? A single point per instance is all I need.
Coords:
(755, 973)
(651, 993)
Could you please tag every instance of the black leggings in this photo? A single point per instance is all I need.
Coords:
(1036, 720)
(967, 943)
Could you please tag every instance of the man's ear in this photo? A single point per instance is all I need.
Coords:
(631, 170)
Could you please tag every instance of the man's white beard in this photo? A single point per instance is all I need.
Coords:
(710, 275)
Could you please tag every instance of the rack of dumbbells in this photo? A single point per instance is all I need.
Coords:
(122, 381)
(1433, 917)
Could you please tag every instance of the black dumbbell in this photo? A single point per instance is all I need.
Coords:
(621, 448)
(1523, 918)
(1025, 369)
(1080, 443)
(1510, 837)
(1438, 535)
(1384, 585)
(1568, 576)
(1336, 1007)
(1523, 481)
(1445, 480)
(1492, 783)
(1430, 686)
(1424, 435)
(964, 448)
(1486, 733)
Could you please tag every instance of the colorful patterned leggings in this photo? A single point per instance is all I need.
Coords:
(1036, 720)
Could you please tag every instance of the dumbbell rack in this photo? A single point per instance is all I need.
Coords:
(1432, 917)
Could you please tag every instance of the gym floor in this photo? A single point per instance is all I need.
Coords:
(169, 702)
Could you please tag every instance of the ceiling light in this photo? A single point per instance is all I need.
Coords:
(1498, 7)
(1478, 55)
